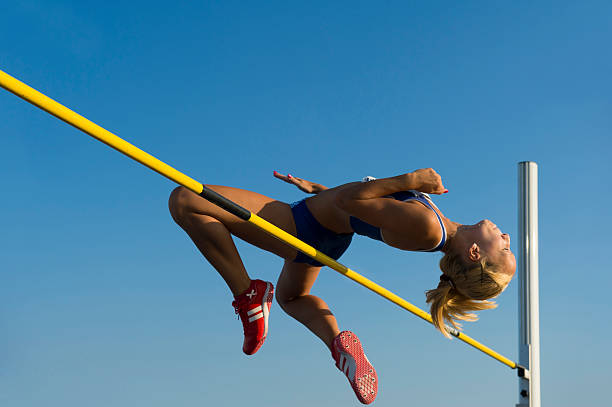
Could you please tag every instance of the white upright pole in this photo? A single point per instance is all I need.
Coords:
(529, 317)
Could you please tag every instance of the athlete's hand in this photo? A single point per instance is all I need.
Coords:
(428, 181)
(302, 184)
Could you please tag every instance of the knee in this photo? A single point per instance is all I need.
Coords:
(178, 203)
(290, 303)
(283, 299)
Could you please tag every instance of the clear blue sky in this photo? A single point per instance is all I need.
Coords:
(105, 302)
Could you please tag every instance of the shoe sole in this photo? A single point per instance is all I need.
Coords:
(265, 307)
(354, 363)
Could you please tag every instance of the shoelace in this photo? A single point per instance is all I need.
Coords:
(236, 308)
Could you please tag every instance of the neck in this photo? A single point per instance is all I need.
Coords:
(451, 231)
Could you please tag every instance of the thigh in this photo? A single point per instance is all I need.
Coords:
(296, 279)
(276, 212)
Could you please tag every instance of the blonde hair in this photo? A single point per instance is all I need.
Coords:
(464, 288)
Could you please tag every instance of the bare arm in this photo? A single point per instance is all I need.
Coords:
(424, 180)
(367, 202)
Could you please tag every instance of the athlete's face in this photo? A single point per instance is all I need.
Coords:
(484, 239)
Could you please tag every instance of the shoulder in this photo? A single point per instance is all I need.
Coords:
(428, 225)
(432, 232)
(418, 230)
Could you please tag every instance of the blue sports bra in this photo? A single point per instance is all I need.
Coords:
(365, 229)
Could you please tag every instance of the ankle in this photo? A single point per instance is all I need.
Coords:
(242, 288)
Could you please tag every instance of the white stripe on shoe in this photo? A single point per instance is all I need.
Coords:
(347, 365)
(256, 317)
(254, 310)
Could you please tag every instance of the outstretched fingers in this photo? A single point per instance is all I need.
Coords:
(290, 179)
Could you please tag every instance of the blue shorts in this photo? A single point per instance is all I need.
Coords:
(310, 231)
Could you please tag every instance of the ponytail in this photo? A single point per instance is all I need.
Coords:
(463, 289)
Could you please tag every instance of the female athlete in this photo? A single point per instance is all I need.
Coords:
(477, 264)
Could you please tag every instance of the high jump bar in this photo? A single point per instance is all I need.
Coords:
(60, 111)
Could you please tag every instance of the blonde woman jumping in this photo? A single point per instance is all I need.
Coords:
(477, 264)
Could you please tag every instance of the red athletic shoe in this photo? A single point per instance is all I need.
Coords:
(350, 359)
(253, 306)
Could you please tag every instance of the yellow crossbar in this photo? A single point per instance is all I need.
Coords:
(49, 105)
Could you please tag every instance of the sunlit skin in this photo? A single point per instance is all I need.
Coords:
(483, 239)
(410, 226)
